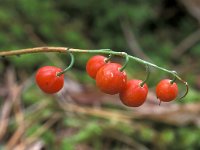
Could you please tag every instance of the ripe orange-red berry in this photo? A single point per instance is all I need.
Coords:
(166, 91)
(94, 64)
(47, 79)
(134, 94)
(110, 79)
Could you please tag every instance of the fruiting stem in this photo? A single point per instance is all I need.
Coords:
(126, 62)
(185, 83)
(173, 80)
(102, 51)
(147, 77)
(186, 90)
(69, 67)
(64, 49)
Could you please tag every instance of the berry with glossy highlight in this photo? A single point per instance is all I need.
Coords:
(94, 64)
(134, 95)
(47, 79)
(110, 79)
(166, 91)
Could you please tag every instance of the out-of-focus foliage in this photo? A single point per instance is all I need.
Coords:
(158, 26)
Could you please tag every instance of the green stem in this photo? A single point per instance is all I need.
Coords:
(108, 51)
(122, 54)
(69, 67)
(174, 79)
(186, 91)
(126, 62)
(147, 77)
(73, 50)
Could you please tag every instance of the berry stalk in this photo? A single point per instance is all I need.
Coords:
(100, 51)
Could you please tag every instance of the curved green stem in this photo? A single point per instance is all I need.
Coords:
(69, 67)
(174, 79)
(186, 90)
(185, 83)
(126, 62)
(147, 77)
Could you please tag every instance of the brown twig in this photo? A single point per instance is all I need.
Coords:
(193, 7)
(53, 49)
(13, 95)
(169, 114)
(28, 121)
(34, 50)
(118, 116)
(55, 117)
(16, 137)
(4, 118)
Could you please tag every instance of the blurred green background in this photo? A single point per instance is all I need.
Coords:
(80, 117)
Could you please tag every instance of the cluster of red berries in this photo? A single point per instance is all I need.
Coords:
(111, 80)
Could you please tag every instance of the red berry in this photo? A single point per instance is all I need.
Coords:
(47, 79)
(166, 91)
(110, 79)
(94, 64)
(134, 94)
